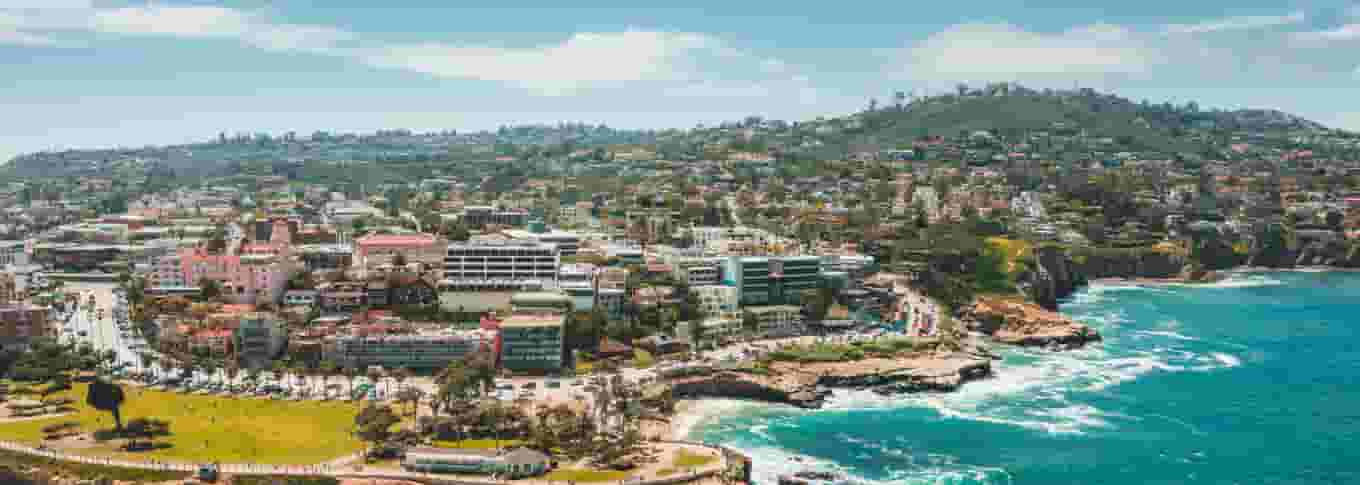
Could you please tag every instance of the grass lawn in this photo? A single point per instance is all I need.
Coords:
(687, 459)
(484, 444)
(213, 428)
(643, 359)
(585, 476)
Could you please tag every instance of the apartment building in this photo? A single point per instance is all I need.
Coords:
(567, 243)
(22, 324)
(421, 351)
(777, 320)
(478, 216)
(716, 300)
(772, 280)
(532, 343)
(577, 281)
(13, 253)
(259, 338)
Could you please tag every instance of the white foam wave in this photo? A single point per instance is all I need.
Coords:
(694, 413)
(928, 468)
(1165, 333)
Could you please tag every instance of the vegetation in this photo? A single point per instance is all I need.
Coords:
(84, 471)
(209, 428)
(585, 476)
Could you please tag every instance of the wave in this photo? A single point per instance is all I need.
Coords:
(911, 469)
(1165, 333)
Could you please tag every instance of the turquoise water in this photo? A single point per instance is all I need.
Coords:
(1255, 380)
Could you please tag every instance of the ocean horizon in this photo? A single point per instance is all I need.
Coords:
(1247, 380)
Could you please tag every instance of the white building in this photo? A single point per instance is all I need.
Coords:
(716, 300)
(427, 351)
(508, 261)
(566, 242)
(13, 253)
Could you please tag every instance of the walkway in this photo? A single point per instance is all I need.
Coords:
(339, 471)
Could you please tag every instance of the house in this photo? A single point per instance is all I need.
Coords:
(300, 297)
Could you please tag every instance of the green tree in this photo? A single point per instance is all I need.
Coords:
(210, 289)
(107, 397)
(374, 424)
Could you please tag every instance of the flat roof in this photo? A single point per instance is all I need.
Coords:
(532, 321)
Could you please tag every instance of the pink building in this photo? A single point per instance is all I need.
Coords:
(249, 278)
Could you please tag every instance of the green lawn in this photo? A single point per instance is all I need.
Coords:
(484, 444)
(686, 459)
(585, 476)
(643, 359)
(212, 428)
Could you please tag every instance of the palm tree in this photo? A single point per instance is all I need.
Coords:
(351, 373)
(375, 375)
(328, 369)
(400, 375)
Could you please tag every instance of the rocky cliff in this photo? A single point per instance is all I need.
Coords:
(1058, 272)
(1016, 322)
(807, 385)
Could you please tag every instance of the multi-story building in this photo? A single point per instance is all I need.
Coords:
(166, 272)
(244, 279)
(699, 271)
(531, 343)
(13, 253)
(259, 338)
(716, 329)
(341, 296)
(421, 351)
(577, 281)
(772, 280)
(21, 325)
(325, 257)
(376, 250)
(716, 300)
(478, 216)
(9, 289)
(509, 261)
(777, 320)
(567, 243)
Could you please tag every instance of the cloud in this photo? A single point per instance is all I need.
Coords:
(217, 22)
(583, 58)
(1003, 52)
(1247, 22)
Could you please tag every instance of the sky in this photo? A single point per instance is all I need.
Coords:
(92, 73)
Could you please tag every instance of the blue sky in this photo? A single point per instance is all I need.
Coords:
(85, 73)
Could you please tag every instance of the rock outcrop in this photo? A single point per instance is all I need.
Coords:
(1015, 322)
(807, 385)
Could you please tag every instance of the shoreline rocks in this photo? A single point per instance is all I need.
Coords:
(1016, 322)
(807, 385)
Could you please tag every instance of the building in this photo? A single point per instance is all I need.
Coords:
(259, 338)
(244, 279)
(577, 281)
(21, 325)
(9, 289)
(567, 243)
(300, 297)
(325, 257)
(13, 253)
(519, 462)
(531, 343)
(698, 271)
(341, 296)
(509, 261)
(376, 250)
(427, 351)
(716, 329)
(772, 280)
(477, 216)
(777, 320)
(716, 300)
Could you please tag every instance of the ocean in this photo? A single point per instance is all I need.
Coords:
(1253, 380)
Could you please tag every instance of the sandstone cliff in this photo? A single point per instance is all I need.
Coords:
(807, 384)
(1015, 322)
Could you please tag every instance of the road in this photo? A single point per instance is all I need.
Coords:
(99, 323)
